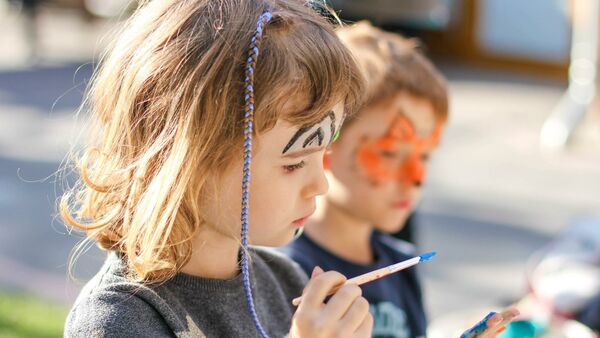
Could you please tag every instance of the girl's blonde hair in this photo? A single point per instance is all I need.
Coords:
(168, 101)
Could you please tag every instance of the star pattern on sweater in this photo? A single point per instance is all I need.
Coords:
(193, 330)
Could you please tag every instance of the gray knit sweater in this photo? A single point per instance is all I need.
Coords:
(187, 306)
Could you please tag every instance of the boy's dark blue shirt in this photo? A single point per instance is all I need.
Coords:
(396, 300)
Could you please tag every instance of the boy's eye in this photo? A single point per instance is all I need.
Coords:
(293, 167)
(425, 157)
(388, 154)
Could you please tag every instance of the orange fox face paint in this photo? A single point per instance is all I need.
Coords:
(398, 155)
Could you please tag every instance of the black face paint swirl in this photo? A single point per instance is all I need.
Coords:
(318, 136)
(314, 134)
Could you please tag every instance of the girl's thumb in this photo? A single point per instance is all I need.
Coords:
(316, 271)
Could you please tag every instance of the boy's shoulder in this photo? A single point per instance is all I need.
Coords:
(397, 246)
(303, 247)
(304, 252)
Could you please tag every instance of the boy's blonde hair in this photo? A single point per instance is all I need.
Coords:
(393, 64)
(168, 99)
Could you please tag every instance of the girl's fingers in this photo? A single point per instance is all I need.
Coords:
(342, 301)
(354, 317)
(316, 271)
(318, 287)
(366, 327)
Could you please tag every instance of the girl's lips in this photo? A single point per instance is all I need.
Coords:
(300, 221)
(405, 204)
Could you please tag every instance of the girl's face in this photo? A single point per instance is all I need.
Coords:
(379, 162)
(287, 175)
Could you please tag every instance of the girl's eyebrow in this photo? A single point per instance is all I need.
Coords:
(317, 134)
(303, 152)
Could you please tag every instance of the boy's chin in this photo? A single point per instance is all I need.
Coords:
(389, 229)
(391, 226)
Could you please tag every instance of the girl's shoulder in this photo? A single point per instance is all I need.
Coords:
(277, 261)
(111, 306)
(272, 262)
(106, 313)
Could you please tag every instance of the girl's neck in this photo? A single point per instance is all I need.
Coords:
(343, 234)
(214, 255)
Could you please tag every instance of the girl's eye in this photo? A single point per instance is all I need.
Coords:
(293, 167)
(425, 157)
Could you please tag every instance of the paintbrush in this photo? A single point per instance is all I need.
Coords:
(379, 273)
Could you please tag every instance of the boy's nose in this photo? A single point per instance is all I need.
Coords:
(412, 172)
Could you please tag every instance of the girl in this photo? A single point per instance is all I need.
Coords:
(195, 98)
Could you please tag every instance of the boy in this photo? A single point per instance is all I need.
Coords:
(375, 173)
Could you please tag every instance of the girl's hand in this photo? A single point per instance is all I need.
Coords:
(346, 314)
(492, 325)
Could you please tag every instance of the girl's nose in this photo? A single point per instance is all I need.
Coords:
(317, 184)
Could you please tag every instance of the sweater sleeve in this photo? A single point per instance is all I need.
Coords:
(110, 314)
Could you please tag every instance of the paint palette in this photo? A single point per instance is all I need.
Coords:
(453, 325)
(531, 329)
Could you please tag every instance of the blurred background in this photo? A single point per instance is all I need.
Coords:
(519, 162)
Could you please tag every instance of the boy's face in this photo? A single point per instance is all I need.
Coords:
(287, 175)
(379, 162)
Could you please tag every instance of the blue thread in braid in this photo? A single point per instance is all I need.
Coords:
(248, 129)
